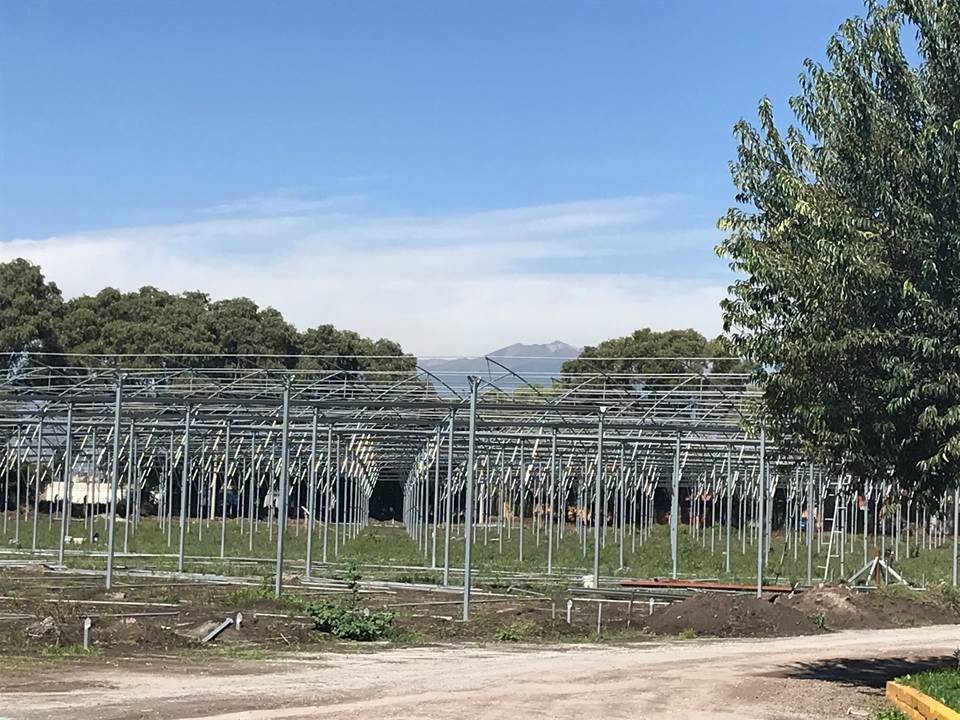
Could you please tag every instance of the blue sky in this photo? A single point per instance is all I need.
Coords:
(456, 175)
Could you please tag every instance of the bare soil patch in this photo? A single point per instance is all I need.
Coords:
(846, 609)
(723, 615)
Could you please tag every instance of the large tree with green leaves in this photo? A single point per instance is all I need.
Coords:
(651, 352)
(29, 308)
(847, 243)
(152, 326)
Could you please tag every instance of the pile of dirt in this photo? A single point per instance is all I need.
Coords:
(729, 615)
(142, 633)
(846, 609)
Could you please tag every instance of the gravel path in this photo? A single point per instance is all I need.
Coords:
(827, 676)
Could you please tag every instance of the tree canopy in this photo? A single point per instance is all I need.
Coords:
(29, 308)
(846, 239)
(149, 322)
(648, 352)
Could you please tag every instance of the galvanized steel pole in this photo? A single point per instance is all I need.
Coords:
(551, 499)
(810, 526)
(114, 478)
(436, 500)
(311, 493)
(729, 518)
(284, 489)
(675, 507)
(448, 502)
(468, 502)
(598, 490)
(761, 511)
(223, 490)
(184, 482)
(67, 473)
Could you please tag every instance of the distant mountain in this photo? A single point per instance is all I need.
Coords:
(537, 364)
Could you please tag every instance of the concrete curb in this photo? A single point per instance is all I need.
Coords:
(917, 706)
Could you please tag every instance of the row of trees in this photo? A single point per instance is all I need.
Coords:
(35, 318)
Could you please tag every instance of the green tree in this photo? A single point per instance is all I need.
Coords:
(161, 327)
(152, 327)
(239, 327)
(327, 348)
(29, 307)
(847, 243)
(652, 353)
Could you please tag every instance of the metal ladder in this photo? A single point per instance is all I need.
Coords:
(835, 542)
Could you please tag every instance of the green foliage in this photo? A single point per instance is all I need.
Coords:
(349, 621)
(249, 594)
(660, 356)
(345, 350)
(76, 650)
(946, 595)
(846, 238)
(889, 714)
(820, 620)
(941, 685)
(381, 550)
(687, 634)
(29, 307)
(517, 631)
(153, 322)
(353, 577)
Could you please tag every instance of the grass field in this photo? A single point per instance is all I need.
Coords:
(389, 546)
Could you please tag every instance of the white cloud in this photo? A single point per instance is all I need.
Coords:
(447, 285)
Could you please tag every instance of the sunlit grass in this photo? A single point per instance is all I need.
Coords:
(247, 552)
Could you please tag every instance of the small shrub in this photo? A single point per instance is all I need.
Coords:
(353, 577)
(348, 621)
(250, 594)
(948, 596)
(687, 634)
(820, 620)
(516, 631)
(76, 650)
(889, 714)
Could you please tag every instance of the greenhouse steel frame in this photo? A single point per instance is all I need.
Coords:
(604, 442)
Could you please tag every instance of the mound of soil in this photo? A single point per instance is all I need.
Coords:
(845, 609)
(728, 615)
(145, 633)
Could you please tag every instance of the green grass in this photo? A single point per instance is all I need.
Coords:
(889, 714)
(70, 651)
(401, 559)
(942, 685)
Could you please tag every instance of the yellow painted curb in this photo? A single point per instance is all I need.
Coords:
(917, 706)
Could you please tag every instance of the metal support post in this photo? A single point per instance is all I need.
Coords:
(184, 483)
(284, 488)
(468, 503)
(67, 485)
(761, 511)
(675, 507)
(114, 478)
(598, 490)
(311, 494)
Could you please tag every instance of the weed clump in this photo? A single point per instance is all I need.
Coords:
(348, 620)
(516, 631)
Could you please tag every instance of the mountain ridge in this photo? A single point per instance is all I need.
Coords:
(535, 363)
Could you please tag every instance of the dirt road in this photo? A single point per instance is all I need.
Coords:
(827, 676)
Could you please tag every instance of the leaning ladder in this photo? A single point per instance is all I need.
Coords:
(835, 541)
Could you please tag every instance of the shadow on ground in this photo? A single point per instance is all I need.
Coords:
(863, 672)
